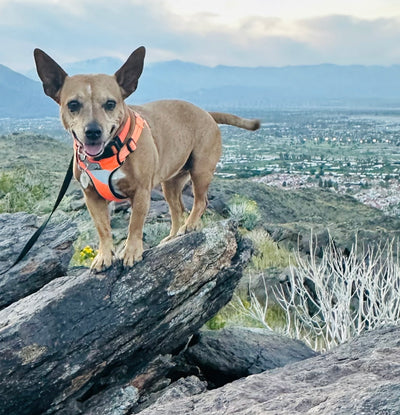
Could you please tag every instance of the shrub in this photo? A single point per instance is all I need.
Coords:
(22, 190)
(216, 323)
(258, 313)
(155, 232)
(351, 293)
(329, 301)
(267, 254)
(244, 211)
(244, 309)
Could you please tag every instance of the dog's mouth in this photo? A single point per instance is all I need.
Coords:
(93, 150)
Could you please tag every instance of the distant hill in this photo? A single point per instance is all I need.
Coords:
(22, 97)
(222, 86)
(98, 65)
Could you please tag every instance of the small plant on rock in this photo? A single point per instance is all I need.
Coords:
(86, 255)
(244, 211)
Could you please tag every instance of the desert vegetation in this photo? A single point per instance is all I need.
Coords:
(326, 301)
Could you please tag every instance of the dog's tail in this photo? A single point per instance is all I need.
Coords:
(230, 119)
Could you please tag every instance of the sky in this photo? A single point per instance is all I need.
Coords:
(209, 32)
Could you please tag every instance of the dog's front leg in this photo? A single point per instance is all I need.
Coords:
(134, 243)
(98, 209)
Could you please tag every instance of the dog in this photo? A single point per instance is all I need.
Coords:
(166, 141)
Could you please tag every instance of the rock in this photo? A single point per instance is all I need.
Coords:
(173, 378)
(77, 204)
(360, 377)
(157, 194)
(183, 387)
(140, 392)
(258, 283)
(48, 258)
(82, 335)
(231, 353)
(115, 401)
(218, 205)
(158, 209)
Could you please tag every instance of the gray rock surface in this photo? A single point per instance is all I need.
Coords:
(48, 258)
(183, 387)
(360, 377)
(85, 334)
(118, 400)
(231, 353)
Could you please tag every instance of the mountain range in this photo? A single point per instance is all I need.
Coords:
(21, 96)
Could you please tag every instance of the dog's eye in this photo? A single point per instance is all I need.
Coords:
(109, 105)
(74, 106)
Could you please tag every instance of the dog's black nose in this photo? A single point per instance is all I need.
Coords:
(93, 131)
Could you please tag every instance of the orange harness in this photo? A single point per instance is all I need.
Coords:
(100, 170)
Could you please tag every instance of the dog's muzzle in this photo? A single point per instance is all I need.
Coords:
(93, 145)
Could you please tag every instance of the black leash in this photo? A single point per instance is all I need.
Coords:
(35, 236)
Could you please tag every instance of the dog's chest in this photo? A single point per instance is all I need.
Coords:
(103, 178)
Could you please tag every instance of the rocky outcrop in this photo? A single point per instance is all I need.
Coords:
(361, 377)
(128, 341)
(84, 340)
(232, 353)
(48, 259)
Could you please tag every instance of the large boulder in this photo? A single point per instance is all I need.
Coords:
(235, 352)
(96, 334)
(360, 377)
(48, 258)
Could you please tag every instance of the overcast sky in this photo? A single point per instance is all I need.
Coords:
(209, 32)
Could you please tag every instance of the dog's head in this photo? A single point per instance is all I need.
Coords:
(92, 107)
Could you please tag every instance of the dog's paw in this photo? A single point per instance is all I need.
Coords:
(184, 229)
(130, 255)
(102, 261)
(167, 239)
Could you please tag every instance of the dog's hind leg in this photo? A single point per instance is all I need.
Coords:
(172, 190)
(200, 186)
(201, 174)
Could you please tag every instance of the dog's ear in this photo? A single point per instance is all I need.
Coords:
(51, 74)
(129, 73)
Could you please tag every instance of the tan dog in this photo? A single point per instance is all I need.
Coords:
(178, 141)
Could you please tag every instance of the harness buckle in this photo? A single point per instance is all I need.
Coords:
(94, 166)
(131, 145)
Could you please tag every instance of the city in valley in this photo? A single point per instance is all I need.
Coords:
(347, 150)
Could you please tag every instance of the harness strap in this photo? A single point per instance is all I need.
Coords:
(130, 145)
(100, 170)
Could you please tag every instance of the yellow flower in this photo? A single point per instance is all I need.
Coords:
(87, 253)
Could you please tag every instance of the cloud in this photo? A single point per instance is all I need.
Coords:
(347, 39)
(82, 29)
(76, 29)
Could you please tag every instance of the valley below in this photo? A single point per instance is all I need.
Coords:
(349, 151)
